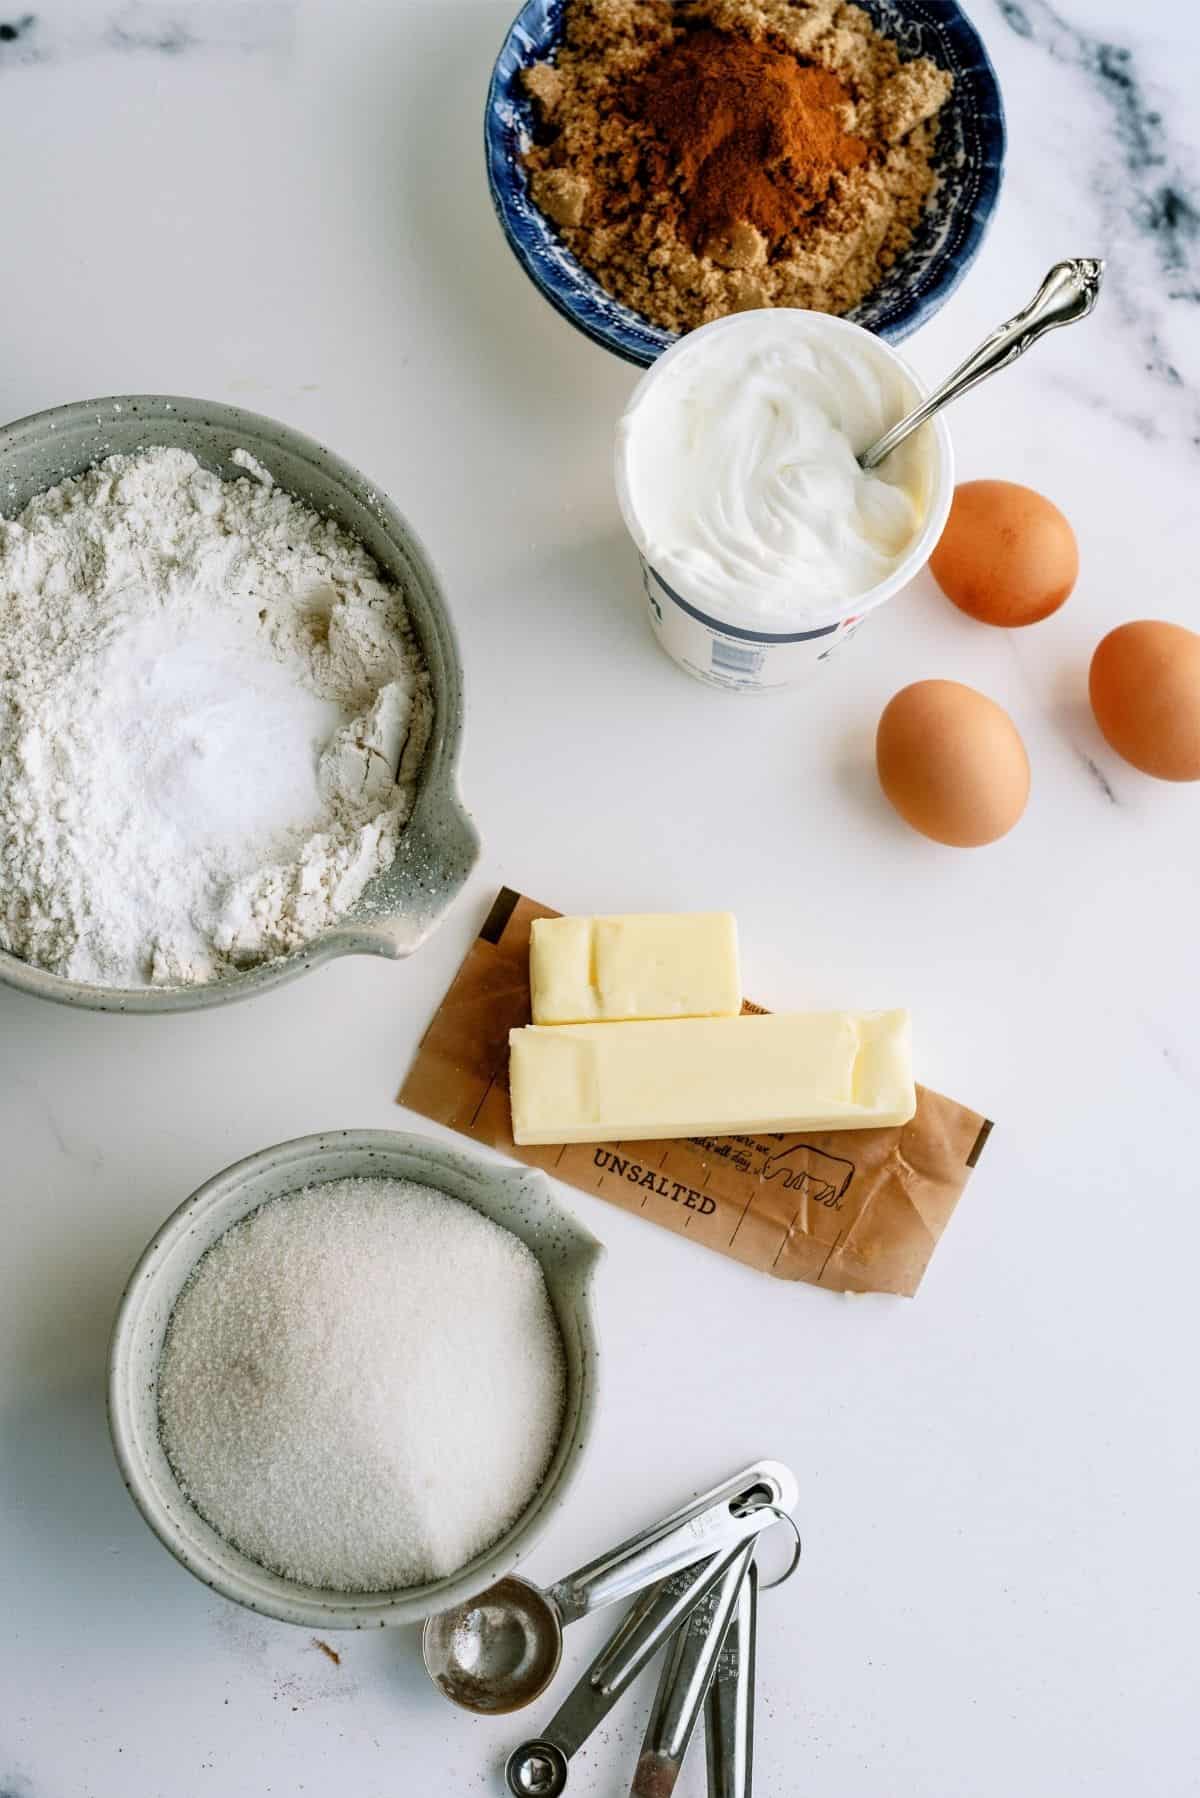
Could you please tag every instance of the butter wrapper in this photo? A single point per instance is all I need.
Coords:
(852, 1210)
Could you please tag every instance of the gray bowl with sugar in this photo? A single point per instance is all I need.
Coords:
(519, 1199)
(440, 845)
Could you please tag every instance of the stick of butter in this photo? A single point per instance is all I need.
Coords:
(649, 965)
(829, 1070)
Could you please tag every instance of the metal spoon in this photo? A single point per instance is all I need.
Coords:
(1066, 295)
(501, 1650)
(538, 1768)
(686, 1676)
(729, 1710)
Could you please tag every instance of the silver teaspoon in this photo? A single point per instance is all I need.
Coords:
(1066, 295)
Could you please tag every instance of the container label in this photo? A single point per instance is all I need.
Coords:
(723, 655)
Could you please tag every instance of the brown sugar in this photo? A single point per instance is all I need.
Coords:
(712, 155)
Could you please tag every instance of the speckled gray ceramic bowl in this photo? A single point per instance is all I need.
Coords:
(519, 1199)
(403, 905)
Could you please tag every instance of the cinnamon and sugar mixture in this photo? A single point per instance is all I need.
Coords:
(709, 156)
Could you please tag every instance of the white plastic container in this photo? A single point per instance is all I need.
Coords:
(748, 649)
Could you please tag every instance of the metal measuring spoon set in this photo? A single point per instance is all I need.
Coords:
(696, 1589)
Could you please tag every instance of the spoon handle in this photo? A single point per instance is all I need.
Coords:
(729, 1711)
(1067, 294)
(683, 1687)
(729, 1513)
(661, 1611)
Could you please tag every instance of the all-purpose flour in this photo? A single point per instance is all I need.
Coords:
(212, 715)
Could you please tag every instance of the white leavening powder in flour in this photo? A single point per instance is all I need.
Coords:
(212, 716)
(362, 1386)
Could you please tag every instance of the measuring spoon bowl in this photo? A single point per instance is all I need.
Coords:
(500, 1651)
(539, 1771)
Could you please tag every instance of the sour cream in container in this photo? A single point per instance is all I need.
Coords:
(763, 543)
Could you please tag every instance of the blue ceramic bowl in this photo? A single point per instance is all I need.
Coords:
(969, 158)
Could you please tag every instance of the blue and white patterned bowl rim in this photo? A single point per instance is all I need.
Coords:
(969, 157)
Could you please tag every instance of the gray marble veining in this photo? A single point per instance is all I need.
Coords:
(1148, 195)
(172, 28)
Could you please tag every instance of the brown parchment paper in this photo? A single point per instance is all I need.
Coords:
(855, 1210)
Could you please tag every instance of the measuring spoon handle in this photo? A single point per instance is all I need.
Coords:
(661, 1610)
(686, 1676)
(716, 1520)
(729, 1708)
(676, 1602)
(1068, 293)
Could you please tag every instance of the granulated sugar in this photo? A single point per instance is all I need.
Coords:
(362, 1386)
(212, 717)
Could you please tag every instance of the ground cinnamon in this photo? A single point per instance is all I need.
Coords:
(748, 135)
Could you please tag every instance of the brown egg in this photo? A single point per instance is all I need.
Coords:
(951, 762)
(1007, 556)
(1144, 684)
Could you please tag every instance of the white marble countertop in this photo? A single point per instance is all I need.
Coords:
(283, 206)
